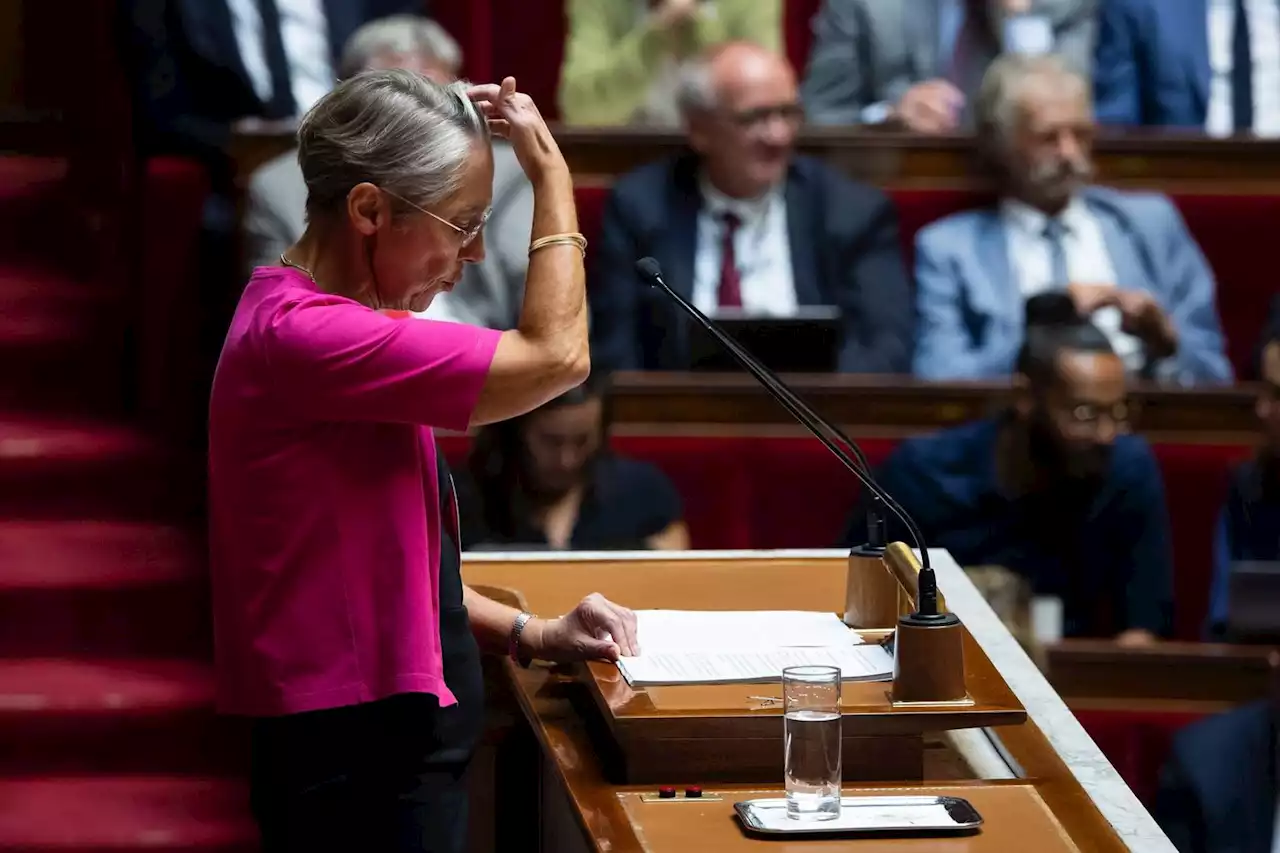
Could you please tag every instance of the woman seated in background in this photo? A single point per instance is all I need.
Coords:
(548, 480)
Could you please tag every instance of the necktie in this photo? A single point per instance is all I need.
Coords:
(1054, 231)
(730, 291)
(281, 104)
(1241, 71)
(966, 50)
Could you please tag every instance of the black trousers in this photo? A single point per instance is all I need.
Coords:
(380, 777)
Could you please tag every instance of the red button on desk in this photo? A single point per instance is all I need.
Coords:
(693, 791)
(667, 792)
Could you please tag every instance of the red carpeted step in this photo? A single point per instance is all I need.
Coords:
(125, 814)
(33, 205)
(118, 716)
(63, 467)
(59, 339)
(101, 588)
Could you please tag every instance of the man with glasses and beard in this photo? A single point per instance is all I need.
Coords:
(1056, 489)
(1126, 259)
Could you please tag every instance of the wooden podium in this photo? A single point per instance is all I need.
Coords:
(1009, 746)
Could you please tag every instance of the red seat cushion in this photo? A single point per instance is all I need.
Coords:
(528, 43)
(590, 203)
(797, 30)
(918, 208)
(1230, 230)
(1195, 481)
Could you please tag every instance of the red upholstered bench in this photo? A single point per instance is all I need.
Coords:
(1136, 742)
(786, 492)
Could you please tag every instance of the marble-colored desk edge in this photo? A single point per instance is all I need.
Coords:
(1118, 804)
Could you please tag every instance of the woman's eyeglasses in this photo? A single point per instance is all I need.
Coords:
(468, 234)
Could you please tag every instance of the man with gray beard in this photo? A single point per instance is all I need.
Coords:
(1126, 258)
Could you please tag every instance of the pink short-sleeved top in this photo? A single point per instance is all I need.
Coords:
(324, 506)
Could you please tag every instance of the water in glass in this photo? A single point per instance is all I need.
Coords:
(811, 738)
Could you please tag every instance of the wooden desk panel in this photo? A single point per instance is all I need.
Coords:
(1097, 670)
(545, 696)
(667, 583)
(551, 700)
(723, 732)
(1158, 161)
(892, 407)
(1161, 161)
(686, 710)
(1024, 823)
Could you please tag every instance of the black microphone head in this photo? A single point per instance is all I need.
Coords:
(1055, 308)
(649, 270)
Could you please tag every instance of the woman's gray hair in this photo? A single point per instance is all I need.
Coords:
(402, 34)
(392, 128)
(996, 107)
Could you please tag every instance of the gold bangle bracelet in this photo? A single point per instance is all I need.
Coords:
(555, 239)
(576, 240)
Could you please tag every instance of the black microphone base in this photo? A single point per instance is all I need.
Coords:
(928, 659)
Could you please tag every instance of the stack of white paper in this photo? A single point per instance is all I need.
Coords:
(707, 647)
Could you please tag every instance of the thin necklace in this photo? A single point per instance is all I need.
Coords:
(300, 267)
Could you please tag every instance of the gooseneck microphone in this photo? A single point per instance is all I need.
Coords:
(829, 434)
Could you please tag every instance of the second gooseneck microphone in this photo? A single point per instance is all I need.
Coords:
(830, 435)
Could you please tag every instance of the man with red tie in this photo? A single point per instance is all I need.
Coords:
(742, 223)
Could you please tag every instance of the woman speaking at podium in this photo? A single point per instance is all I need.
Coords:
(342, 625)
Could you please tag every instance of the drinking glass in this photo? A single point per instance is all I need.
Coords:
(811, 737)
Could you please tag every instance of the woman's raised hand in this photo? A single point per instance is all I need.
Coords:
(514, 116)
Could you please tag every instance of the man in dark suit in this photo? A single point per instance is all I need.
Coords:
(1211, 65)
(1218, 789)
(741, 223)
(198, 66)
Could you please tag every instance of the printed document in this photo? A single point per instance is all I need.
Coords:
(709, 647)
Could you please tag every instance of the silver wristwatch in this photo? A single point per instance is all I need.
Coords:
(513, 641)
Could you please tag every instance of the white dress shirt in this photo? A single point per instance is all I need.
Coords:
(1088, 262)
(304, 29)
(1264, 47)
(762, 249)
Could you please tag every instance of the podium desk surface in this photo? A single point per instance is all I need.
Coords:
(1050, 752)
(1019, 821)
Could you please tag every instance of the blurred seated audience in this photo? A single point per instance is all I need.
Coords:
(198, 66)
(1249, 526)
(491, 291)
(1204, 65)
(622, 57)
(917, 64)
(1217, 791)
(547, 479)
(1055, 488)
(742, 223)
(1126, 258)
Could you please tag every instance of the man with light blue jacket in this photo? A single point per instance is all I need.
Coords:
(1126, 258)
